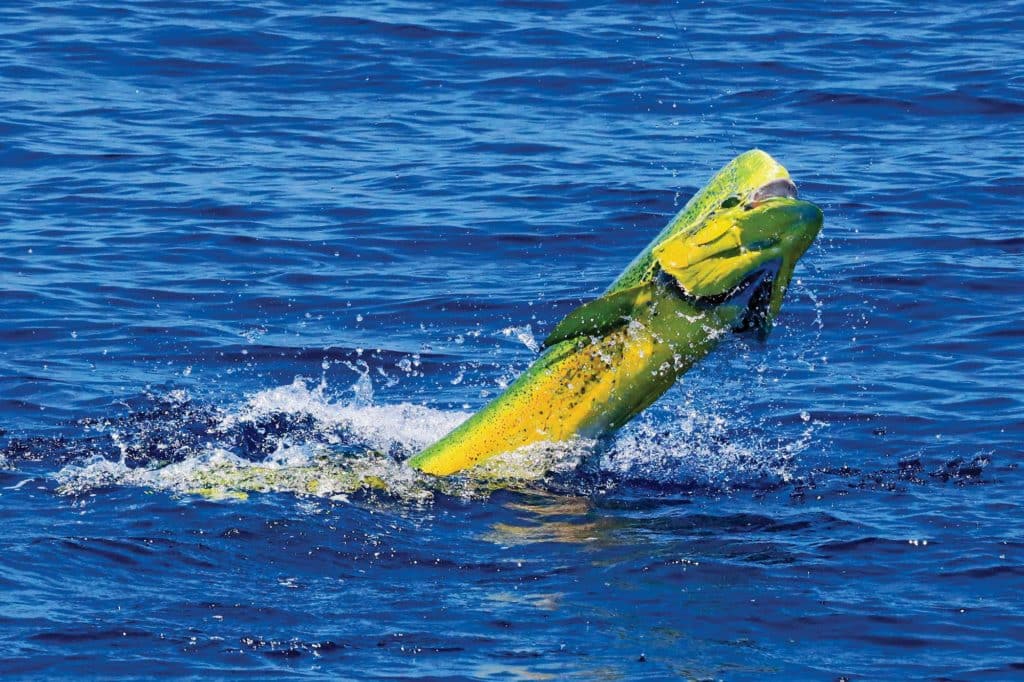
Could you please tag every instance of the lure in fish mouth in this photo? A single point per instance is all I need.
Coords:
(721, 265)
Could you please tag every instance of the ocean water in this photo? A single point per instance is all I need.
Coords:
(256, 254)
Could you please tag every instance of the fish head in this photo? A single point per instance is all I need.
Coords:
(742, 254)
(735, 184)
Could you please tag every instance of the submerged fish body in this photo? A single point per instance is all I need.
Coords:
(722, 264)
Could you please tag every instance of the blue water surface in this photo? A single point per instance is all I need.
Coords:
(267, 237)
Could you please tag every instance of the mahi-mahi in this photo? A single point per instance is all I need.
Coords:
(722, 264)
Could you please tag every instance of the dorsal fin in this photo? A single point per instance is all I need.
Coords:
(601, 314)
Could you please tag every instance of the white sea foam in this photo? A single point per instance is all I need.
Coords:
(302, 460)
(403, 427)
(334, 446)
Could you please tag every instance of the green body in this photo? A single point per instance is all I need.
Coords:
(722, 264)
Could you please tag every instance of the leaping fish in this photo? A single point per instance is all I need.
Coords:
(721, 265)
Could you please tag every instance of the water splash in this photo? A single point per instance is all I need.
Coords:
(695, 448)
(402, 429)
(298, 439)
(524, 335)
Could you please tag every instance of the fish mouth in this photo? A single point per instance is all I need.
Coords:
(758, 294)
(782, 188)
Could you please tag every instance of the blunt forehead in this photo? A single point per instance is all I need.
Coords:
(742, 175)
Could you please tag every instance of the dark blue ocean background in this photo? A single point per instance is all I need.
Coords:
(269, 237)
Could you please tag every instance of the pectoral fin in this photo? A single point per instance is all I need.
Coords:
(600, 315)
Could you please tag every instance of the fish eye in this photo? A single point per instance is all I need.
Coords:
(731, 201)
